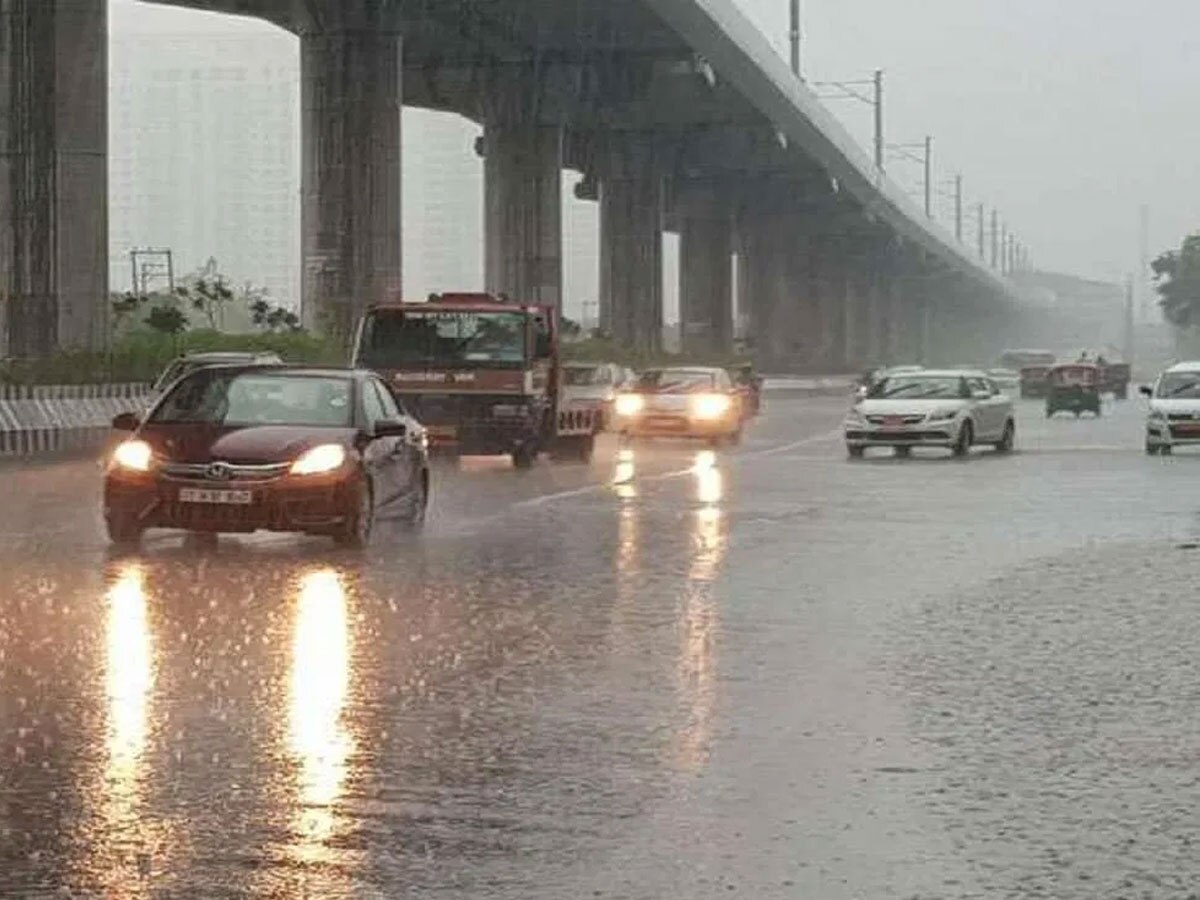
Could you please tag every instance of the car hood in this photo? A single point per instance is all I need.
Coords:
(911, 407)
(1176, 405)
(250, 445)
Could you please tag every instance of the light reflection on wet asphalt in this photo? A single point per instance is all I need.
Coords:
(675, 672)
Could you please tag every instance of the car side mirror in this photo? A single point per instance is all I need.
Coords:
(390, 428)
(1146, 391)
(126, 421)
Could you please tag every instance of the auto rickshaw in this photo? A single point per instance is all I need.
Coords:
(1073, 387)
(1033, 380)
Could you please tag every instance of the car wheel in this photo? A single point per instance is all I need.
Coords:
(1165, 449)
(1008, 438)
(966, 436)
(356, 531)
(418, 505)
(124, 529)
(855, 452)
(1152, 449)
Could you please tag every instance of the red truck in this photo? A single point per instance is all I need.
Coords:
(481, 373)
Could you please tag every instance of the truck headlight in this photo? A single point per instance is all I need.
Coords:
(629, 404)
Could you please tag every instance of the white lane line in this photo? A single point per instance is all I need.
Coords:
(599, 487)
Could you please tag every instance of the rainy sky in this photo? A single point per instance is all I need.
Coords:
(1065, 114)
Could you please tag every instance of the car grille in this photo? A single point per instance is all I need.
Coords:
(1184, 417)
(202, 472)
(898, 437)
(888, 420)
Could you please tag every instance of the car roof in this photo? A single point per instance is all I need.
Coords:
(301, 371)
(946, 373)
(228, 354)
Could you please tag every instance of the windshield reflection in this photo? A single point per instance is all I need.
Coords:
(319, 683)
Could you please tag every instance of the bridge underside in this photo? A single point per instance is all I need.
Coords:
(829, 275)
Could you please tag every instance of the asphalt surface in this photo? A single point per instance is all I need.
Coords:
(768, 672)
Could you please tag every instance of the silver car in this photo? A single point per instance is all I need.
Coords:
(950, 408)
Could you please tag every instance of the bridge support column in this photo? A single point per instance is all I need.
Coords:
(705, 269)
(351, 218)
(631, 220)
(53, 176)
(523, 205)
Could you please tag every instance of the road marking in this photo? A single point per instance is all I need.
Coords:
(598, 487)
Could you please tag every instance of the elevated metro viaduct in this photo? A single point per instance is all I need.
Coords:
(677, 112)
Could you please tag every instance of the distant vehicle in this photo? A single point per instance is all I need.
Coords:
(950, 408)
(1008, 380)
(1115, 379)
(1073, 388)
(1019, 359)
(594, 386)
(1033, 381)
(482, 374)
(1174, 414)
(275, 448)
(189, 362)
(688, 402)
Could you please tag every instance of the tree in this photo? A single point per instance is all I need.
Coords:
(1177, 280)
(269, 316)
(168, 319)
(207, 296)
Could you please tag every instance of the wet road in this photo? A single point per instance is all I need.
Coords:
(765, 673)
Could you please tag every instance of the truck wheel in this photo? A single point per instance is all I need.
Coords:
(524, 456)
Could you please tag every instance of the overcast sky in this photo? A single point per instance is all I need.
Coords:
(1066, 114)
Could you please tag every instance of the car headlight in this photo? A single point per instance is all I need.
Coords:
(711, 406)
(135, 456)
(855, 417)
(943, 415)
(320, 459)
(628, 404)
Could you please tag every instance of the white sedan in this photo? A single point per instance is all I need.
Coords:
(951, 408)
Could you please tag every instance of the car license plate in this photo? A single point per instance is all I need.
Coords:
(893, 421)
(220, 498)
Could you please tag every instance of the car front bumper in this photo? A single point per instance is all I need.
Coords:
(1160, 433)
(658, 423)
(923, 434)
(313, 504)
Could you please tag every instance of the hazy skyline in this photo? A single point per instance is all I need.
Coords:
(1064, 114)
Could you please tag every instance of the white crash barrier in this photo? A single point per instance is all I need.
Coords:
(43, 419)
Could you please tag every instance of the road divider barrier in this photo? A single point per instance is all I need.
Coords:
(56, 418)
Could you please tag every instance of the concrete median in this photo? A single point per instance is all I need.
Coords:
(38, 420)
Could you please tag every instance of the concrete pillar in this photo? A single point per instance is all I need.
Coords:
(351, 99)
(631, 220)
(53, 175)
(705, 270)
(523, 164)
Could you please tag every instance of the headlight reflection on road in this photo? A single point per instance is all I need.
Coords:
(710, 483)
(623, 476)
(128, 678)
(319, 684)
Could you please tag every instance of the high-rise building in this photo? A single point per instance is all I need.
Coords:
(204, 148)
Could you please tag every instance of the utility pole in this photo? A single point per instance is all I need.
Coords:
(879, 120)
(995, 238)
(795, 37)
(958, 223)
(1130, 338)
(982, 232)
(928, 177)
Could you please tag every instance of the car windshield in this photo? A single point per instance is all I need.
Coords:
(237, 399)
(675, 380)
(919, 387)
(586, 376)
(1179, 385)
(442, 338)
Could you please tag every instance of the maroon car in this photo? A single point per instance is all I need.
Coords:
(276, 448)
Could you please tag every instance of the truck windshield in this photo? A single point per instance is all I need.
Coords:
(399, 338)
